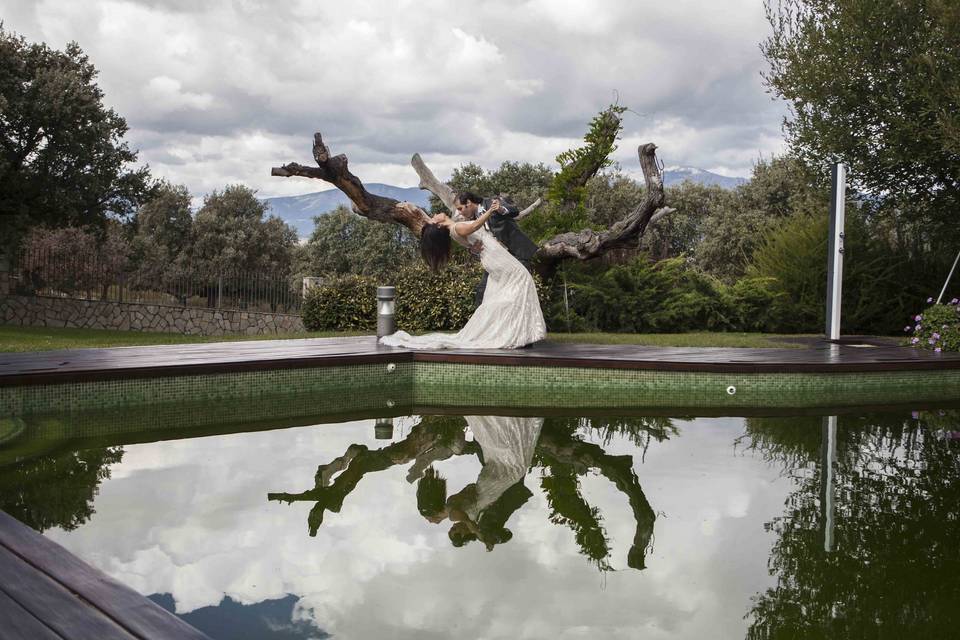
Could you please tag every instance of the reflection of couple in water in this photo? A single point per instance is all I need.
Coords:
(507, 447)
(480, 510)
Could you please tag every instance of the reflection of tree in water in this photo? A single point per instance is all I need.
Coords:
(56, 490)
(480, 511)
(893, 571)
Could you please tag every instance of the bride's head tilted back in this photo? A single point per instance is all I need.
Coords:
(435, 244)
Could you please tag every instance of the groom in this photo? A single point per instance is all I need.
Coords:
(502, 225)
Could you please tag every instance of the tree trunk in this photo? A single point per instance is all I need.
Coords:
(583, 245)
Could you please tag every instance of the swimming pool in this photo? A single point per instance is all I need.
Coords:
(509, 523)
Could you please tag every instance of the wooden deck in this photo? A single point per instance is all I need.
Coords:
(74, 365)
(47, 593)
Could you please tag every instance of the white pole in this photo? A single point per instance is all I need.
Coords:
(835, 250)
(950, 275)
(829, 452)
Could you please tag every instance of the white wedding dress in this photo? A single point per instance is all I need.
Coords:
(509, 316)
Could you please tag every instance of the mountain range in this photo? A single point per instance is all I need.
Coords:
(299, 211)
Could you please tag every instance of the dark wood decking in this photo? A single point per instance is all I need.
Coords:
(128, 362)
(48, 593)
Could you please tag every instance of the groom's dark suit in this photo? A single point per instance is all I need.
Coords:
(504, 227)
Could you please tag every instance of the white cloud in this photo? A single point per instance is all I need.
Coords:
(218, 92)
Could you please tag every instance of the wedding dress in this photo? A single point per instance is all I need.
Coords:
(508, 444)
(509, 316)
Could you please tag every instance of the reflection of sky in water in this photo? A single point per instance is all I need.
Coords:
(191, 518)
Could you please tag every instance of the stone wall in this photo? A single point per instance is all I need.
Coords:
(92, 314)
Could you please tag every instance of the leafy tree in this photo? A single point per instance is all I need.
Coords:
(344, 243)
(892, 569)
(63, 161)
(681, 231)
(875, 297)
(163, 231)
(230, 234)
(522, 181)
(730, 233)
(71, 260)
(56, 490)
(877, 86)
(610, 196)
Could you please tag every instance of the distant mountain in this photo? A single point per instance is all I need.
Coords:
(298, 211)
(675, 175)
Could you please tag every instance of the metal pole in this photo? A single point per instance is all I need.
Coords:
(835, 250)
(828, 447)
(942, 291)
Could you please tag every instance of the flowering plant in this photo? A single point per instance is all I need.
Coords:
(937, 328)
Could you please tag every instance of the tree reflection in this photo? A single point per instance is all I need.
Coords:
(895, 557)
(56, 490)
(508, 448)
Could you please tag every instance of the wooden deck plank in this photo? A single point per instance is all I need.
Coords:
(47, 600)
(16, 622)
(165, 360)
(139, 616)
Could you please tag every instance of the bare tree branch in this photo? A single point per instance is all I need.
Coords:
(523, 214)
(582, 245)
(589, 244)
(334, 170)
(432, 184)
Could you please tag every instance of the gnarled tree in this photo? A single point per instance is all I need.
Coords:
(577, 167)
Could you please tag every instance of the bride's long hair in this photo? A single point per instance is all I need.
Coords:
(435, 245)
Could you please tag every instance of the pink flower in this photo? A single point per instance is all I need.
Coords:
(907, 328)
(937, 350)
(918, 318)
(915, 341)
(929, 300)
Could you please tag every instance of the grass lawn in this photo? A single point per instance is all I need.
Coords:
(46, 338)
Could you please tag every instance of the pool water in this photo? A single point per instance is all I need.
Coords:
(524, 526)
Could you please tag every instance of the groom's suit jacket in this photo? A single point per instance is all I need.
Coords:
(505, 228)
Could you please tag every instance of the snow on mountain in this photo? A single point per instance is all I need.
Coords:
(675, 175)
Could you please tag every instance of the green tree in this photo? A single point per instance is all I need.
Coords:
(63, 161)
(230, 234)
(681, 231)
(163, 231)
(344, 243)
(522, 181)
(875, 297)
(877, 86)
(731, 232)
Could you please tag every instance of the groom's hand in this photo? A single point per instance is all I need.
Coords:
(476, 248)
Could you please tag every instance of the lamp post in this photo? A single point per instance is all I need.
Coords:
(386, 308)
(383, 429)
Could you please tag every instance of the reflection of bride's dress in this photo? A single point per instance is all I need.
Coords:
(508, 444)
(509, 316)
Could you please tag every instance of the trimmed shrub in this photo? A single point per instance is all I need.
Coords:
(937, 328)
(426, 301)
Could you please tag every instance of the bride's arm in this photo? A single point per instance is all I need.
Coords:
(464, 229)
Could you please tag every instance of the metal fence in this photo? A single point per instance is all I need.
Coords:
(95, 278)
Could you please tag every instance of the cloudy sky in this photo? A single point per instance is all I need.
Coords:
(218, 91)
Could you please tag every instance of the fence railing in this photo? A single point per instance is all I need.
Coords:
(96, 278)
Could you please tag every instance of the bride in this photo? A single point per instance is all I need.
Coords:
(509, 316)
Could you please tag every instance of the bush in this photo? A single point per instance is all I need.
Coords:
(794, 255)
(937, 328)
(426, 301)
(669, 296)
(344, 304)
